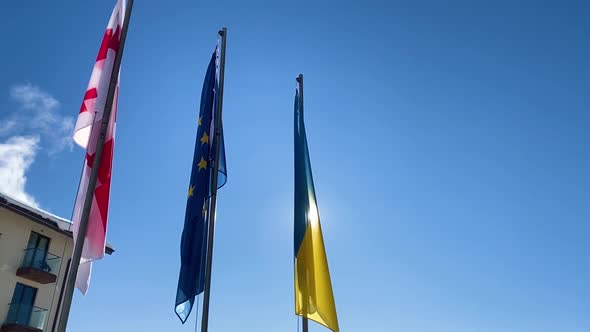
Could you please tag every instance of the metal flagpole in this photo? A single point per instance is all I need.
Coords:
(300, 82)
(212, 216)
(77, 255)
(304, 322)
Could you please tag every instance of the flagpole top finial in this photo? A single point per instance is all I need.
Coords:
(222, 31)
(299, 78)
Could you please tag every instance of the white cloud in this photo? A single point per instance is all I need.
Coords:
(31, 97)
(16, 156)
(36, 123)
(38, 114)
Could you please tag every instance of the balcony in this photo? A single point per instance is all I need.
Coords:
(39, 265)
(24, 318)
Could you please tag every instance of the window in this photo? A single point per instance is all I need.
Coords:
(21, 306)
(36, 252)
(38, 241)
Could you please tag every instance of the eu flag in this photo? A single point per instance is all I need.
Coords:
(193, 247)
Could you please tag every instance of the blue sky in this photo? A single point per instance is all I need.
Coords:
(449, 145)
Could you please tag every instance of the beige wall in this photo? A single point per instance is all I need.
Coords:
(15, 230)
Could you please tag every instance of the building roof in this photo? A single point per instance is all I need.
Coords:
(50, 220)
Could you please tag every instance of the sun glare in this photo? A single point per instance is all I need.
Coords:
(312, 214)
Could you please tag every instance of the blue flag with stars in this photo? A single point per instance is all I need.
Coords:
(193, 247)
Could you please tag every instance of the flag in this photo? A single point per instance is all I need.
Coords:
(313, 289)
(193, 246)
(86, 135)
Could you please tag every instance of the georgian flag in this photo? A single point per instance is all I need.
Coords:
(86, 134)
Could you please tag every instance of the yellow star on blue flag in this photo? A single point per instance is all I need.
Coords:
(193, 245)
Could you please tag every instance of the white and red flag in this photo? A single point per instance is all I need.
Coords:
(86, 135)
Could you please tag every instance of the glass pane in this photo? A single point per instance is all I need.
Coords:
(29, 294)
(33, 239)
(26, 315)
(18, 293)
(28, 258)
(23, 314)
(38, 318)
(21, 306)
(12, 313)
(38, 260)
(43, 243)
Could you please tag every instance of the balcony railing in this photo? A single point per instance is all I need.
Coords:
(39, 265)
(22, 317)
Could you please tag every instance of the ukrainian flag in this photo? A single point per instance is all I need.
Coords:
(314, 298)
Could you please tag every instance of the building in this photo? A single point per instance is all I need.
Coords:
(35, 252)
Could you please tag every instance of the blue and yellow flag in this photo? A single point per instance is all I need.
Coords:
(313, 289)
(193, 247)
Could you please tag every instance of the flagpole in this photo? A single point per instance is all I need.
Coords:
(77, 255)
(300, 83)
(304, 321)
(304, 324)
(212, 209)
